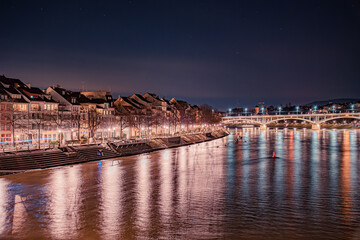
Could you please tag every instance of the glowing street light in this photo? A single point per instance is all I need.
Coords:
(279, 110)
(297, 109)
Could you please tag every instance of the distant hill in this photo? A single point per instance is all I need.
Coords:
(338, 100)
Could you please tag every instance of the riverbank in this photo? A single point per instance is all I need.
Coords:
(67, 155)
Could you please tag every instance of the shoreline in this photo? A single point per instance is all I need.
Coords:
(11, 163)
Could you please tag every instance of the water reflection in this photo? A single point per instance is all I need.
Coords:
(3, 206)
(219, 189)
(111, 200)
(143, 192)
(64, 202)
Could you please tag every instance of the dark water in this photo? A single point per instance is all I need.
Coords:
(204, 191)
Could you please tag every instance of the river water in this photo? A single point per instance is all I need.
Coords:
(212, 190)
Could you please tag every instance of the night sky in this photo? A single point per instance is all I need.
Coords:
(225, 53)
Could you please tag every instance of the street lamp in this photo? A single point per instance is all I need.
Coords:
(315, 107)
(352, 107)
(297, 109)
(333, 108)
(279, 110)
(246, 111)
(262, 110)
(229, 111)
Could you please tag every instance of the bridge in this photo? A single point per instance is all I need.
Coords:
(314, 119)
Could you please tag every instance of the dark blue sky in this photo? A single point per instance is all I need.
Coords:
(226, 53)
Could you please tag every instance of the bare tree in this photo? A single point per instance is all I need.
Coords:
(77, 120)
(209, 115)
(157, 118)
(94, 122)
(16, 120)
(62, 119)
(38, 119)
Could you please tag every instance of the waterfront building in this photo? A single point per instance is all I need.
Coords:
(72, 120)
(100, 111)
(57, 115)
(32, 112)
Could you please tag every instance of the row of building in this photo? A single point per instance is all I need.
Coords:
(31, 115)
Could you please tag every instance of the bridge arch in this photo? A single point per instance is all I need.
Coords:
(334, 118)
(300, 119)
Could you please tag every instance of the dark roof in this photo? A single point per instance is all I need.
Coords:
(34, 90)
(132, 102)
(142, 98)
(136, 102)
(29, 91)
(12, 81)
(3, 92)
(83, 99)
(97, 101)
(49, 100)
(154, 96)
(69, 95)
(19, 100)
(12, 90)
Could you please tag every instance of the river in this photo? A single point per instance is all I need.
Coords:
(213, 190)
